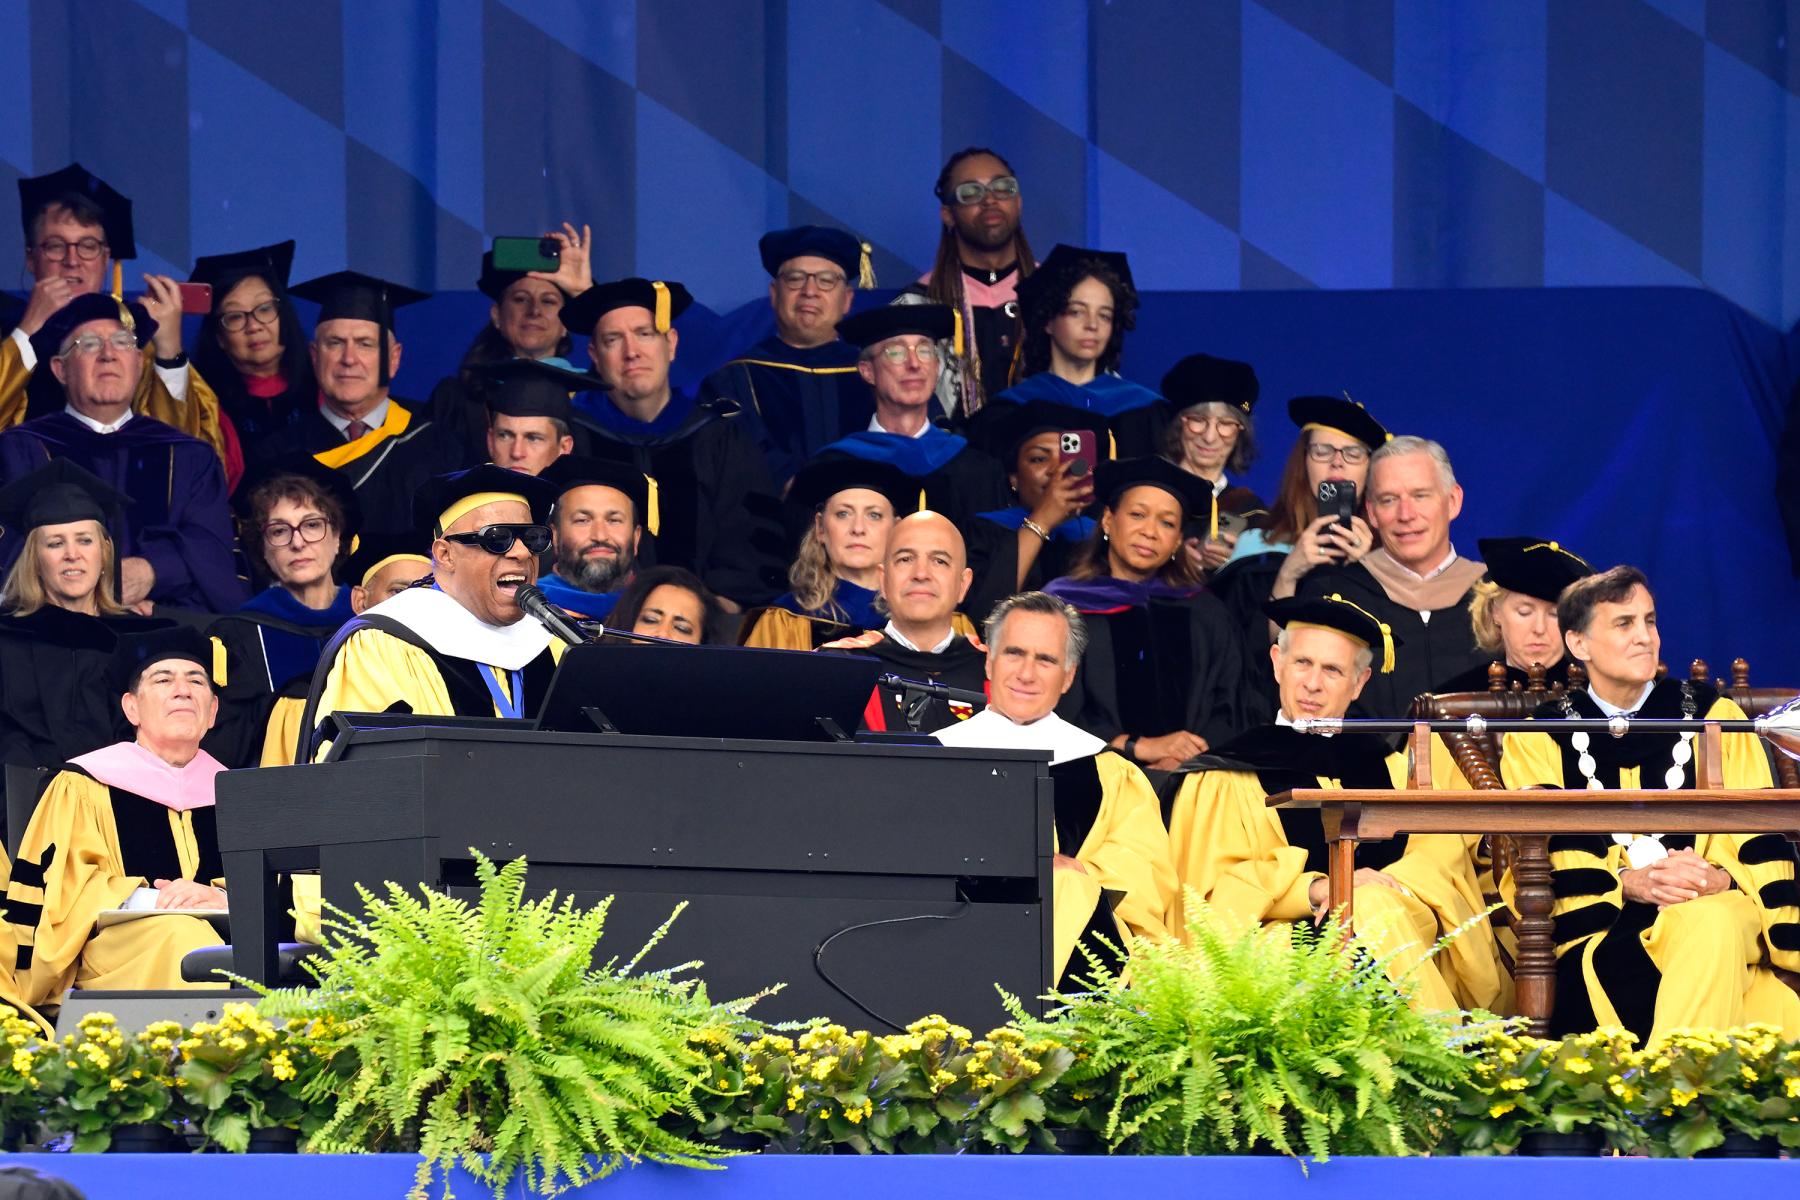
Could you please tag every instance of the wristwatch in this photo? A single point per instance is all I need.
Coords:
(1131, 749)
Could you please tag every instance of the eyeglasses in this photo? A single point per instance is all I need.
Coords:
(825, 281)
(88, 344)
(1319, 452)
(498, 539)
(926, 352)
(1197, 422)
(234, 319)
(973, 191)
(280, 533)
(87, 249)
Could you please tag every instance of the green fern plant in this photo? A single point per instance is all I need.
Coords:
(482, 1035)
(1239, 1038)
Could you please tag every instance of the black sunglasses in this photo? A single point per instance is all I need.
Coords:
(498, 539)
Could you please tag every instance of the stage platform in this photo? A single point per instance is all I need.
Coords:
(782, 1177)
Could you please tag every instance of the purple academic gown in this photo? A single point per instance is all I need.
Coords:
(179, 518)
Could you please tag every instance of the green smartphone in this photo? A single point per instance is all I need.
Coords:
(527, 254)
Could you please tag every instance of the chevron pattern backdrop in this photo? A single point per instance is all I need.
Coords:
(1226, 144)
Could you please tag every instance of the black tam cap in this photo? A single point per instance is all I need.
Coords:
(376, 550)
(1340, 413)
(571, 471)
(93, 306)
(76, 183)
(56, 494)
(271, 264)
(1534, 566)
(1066, 266)
(137, 652)
(442, 499)
(665, 300)
(494, 282)
(1344, 616)
(1114, 479)
(820, 480)
(851, 255)
(1001, 429)
(873, 326)
(1203, 379)
(525, 387)
(353, 296)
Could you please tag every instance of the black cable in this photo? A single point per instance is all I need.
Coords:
(834, 985)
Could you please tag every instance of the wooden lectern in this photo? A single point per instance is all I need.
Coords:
(1531, 818)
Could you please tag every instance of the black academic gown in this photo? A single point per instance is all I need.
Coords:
(179, 518)
(387, 473)
(799, 400)
(717, 515)
(992, 540)
(960, 665)
(1154, 668)
(56, 695)
(1428, 653)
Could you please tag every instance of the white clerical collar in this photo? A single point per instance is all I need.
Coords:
(1286, 722)
(98, 426)
(1219, 485)
(942, 646)
(453, 630)
(1449, 559)
(994, 730)
(875, 426)
(373, 418)
(1613, 710)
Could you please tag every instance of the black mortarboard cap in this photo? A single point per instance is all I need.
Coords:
(57, 493)
(1339, 413)
(1204, 379)
(525, 387)
(40, 192)
(375, 550)
(494, 282)
(1345, 616)
(665, 299)
(579, 470)
(1114, 478)
(271, 264)
(820, 480)
(92, 306)
(1535, 566)
(1063, 260)
(353, 296)
(329, 480)
(818, 241)
(439, 494)
(135, 652)
(875, 325)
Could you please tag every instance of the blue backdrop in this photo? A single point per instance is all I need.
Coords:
(1290, 176)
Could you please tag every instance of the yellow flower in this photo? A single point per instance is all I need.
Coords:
(22, 1062)
(1579, 1066)
(941, 1078)
(1515, 1084)
(853, 1115)
(1501, 1107)
(117, 1085)
(1792, 1087)
(824, 1066)
(281, 1066)
(1681, 1097)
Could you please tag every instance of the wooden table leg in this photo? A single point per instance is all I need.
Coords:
(1343, 879)
(1534, 975)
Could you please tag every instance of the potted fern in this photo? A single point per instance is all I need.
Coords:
(1254, 1040)
(483, 1036)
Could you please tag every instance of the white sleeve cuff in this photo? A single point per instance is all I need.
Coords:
(176, 380)
(26, 354)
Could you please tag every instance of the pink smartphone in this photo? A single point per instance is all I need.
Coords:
(1080, 447)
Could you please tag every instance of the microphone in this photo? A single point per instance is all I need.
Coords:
(531, 598)
(926, 687)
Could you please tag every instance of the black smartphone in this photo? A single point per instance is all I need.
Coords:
(1337, 497)
(527, 254)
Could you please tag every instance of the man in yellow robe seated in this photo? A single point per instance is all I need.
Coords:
(1655, 931)
(126, 827)
(1262, 864)
(76, 228)
(460, 645)
(1113, 875)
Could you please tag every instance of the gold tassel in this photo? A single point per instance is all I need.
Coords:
(218, 666)
(865, 267)
(118, 281)
(653, 509)
(1387, 631)
(662, 309)
(1212, 525)
(956, 331)
(921, 507)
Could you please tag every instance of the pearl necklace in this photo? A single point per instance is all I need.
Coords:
(1641, 849)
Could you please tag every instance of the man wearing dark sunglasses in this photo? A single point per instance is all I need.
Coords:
(457, 643)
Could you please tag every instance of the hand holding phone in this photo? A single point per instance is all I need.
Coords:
(1337, 498)
(196, 298)
(527, 254)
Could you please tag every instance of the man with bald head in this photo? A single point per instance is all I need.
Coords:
(464, 647)
(924, 576)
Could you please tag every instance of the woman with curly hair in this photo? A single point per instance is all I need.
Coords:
(1076, 309)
